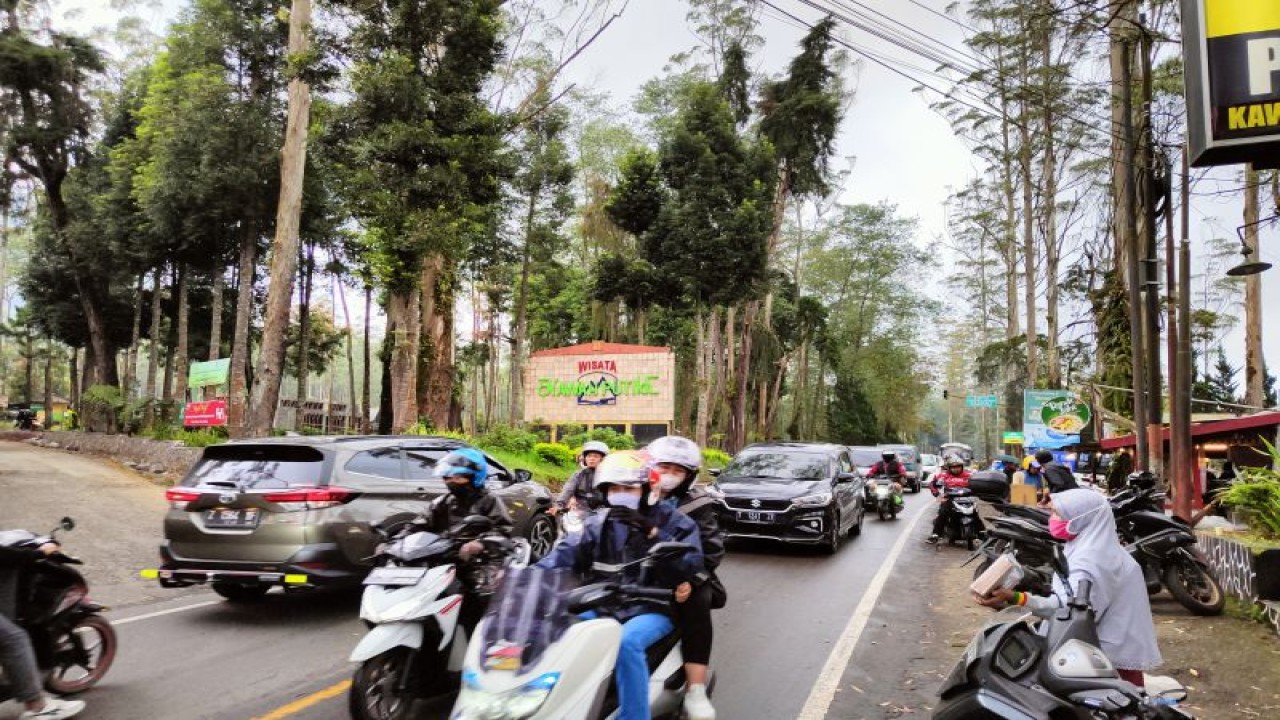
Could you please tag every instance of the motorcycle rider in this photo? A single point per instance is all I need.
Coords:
(17, 656)
(622, 535)
(579, 492)
(891, 467)
(1057, 477)
(953, 475)
(1082, 519)
(464, 472)
(674, 463)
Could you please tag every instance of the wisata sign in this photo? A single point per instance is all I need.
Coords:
(1231, 50)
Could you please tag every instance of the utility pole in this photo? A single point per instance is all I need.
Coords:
(1181, 402)
(1150, 262)
(1142, 461)
(1253, 360)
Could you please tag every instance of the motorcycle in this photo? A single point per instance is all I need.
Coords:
(1166, 549)
(535, 658)
(962, 519)
(1012, 671)
(886, 501)
(413, 604)
(74, 644)
(1029, 542)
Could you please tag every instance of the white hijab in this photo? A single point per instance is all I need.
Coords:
(1126, 631)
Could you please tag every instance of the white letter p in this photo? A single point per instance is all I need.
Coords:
(1264, 59)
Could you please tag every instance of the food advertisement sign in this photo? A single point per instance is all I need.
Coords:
(1053, 418)
(1232, 64)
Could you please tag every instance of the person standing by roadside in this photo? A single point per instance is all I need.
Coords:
(1057, 477)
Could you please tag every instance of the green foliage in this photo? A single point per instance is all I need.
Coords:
(557, 454)
(102, 406)
(614, 439)
(1257, 494)
(510, 439)
(714, 458)
(323, 341)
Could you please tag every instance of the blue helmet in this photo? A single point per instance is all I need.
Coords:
(464, 461)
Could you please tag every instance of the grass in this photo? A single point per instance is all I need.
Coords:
(1253, 540)
(553, 476)
(1245, 610)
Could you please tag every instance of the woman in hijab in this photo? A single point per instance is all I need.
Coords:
(1126, 632)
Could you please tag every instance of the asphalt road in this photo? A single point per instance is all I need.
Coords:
(196, 656)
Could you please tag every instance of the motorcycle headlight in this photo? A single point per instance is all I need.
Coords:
(522, 702)
(815, 500)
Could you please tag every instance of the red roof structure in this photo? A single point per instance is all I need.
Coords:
(1206, 429)
(601, 348)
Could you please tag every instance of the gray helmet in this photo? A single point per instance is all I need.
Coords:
(595, 446)
(677, 451)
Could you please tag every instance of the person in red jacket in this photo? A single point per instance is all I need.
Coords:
(953, 475)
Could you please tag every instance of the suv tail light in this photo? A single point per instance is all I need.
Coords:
(178, 497)
(310, 498)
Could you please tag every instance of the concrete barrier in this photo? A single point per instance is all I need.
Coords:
(158, 457)
(1241, 572)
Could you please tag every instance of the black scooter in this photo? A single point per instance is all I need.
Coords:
(1166, 549)
(74, 644)
(1011, 671)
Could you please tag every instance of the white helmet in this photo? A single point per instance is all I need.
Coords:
(624, 468)
(676, 450)
(595, 446)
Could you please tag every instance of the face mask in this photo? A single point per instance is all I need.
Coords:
(461, 491)
(624, 499)
(669, 481)
(1058, 528)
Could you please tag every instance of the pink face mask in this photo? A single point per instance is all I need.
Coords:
(1058, 528)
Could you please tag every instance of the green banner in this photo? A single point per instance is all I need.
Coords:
(1011, 438)
(212, 372)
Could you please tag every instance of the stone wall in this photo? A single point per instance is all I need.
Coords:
(142, 454)
(1236, 567)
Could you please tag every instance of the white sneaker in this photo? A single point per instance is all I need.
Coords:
(697, 706)
(54, 709)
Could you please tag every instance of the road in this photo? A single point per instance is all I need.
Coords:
(195, 656)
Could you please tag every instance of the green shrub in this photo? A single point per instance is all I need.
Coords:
(714, 458)
(1257, 495)
(614, 439)
(505, 437)
(102, 405)
(556, 454)
(203, 437)
(569, 430)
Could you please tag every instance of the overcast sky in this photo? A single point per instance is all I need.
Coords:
(901, 150)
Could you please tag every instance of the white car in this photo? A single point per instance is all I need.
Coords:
(929, 466)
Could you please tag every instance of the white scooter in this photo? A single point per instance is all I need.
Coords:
(534, 658)
(412, 603)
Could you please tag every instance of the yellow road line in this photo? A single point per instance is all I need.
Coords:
(303, 703)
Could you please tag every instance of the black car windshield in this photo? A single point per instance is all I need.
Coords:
(779, 466)
(866, 457)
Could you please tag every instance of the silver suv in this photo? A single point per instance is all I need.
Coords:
(297, 511)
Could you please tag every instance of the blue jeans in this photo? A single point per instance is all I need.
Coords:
(631, 672)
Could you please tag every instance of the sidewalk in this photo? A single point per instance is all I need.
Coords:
(926, 618)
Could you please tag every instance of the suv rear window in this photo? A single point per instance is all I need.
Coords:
(258, 467)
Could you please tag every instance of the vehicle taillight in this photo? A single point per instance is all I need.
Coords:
(178, 497)
(310, 498)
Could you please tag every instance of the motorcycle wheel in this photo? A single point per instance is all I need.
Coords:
(1191, 585)
(374, 693)
(83, 655)
(970, 539)
(542, 536)
(881, 512)
(241, 593)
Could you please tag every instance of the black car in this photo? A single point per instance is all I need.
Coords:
(804, 493)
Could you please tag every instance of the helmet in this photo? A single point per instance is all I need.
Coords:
(464, 461)
(595, 446)
(1143, 479)
(951, 461)
(677, 451)
(628, 467)
(889, 455)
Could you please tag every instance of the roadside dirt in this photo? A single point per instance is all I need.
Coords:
(118, 515)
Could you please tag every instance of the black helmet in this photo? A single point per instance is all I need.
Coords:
(1143, 479)
(889, 455)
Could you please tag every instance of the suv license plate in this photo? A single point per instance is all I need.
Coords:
(756, 516)
(232, 517)
(395, 576)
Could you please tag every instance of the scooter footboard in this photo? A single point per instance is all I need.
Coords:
(384, 637)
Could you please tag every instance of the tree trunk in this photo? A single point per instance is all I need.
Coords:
(131, 355)
(73, 378)
(520, 331)
(183, 353)
(737, 435)
(304, 331)
(153, 355)
(238, 400)
(1028, 229)
(1124, 15)
(215, 314)
(351, 421)
(1254, 367)
(1050, 223)
(403, 332)
(437, 328)
(702, 372)
(284, 250)
(367, 371)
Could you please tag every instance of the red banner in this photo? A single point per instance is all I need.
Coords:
(205, 414)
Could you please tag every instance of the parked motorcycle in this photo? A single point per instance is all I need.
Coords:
(1014, 671)
(74, 644)
(413, 604)
(1166, 549)
(535, 658)
(884, 499)
(1029, 542)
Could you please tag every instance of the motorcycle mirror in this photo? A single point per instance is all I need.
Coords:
(67, 524)
(522, 475)
(715, 472)
(669, 549)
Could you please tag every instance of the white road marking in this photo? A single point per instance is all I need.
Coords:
(824, 689)
(170, 611)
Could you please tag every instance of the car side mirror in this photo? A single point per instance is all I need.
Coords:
(522, 476)
(715, 472)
